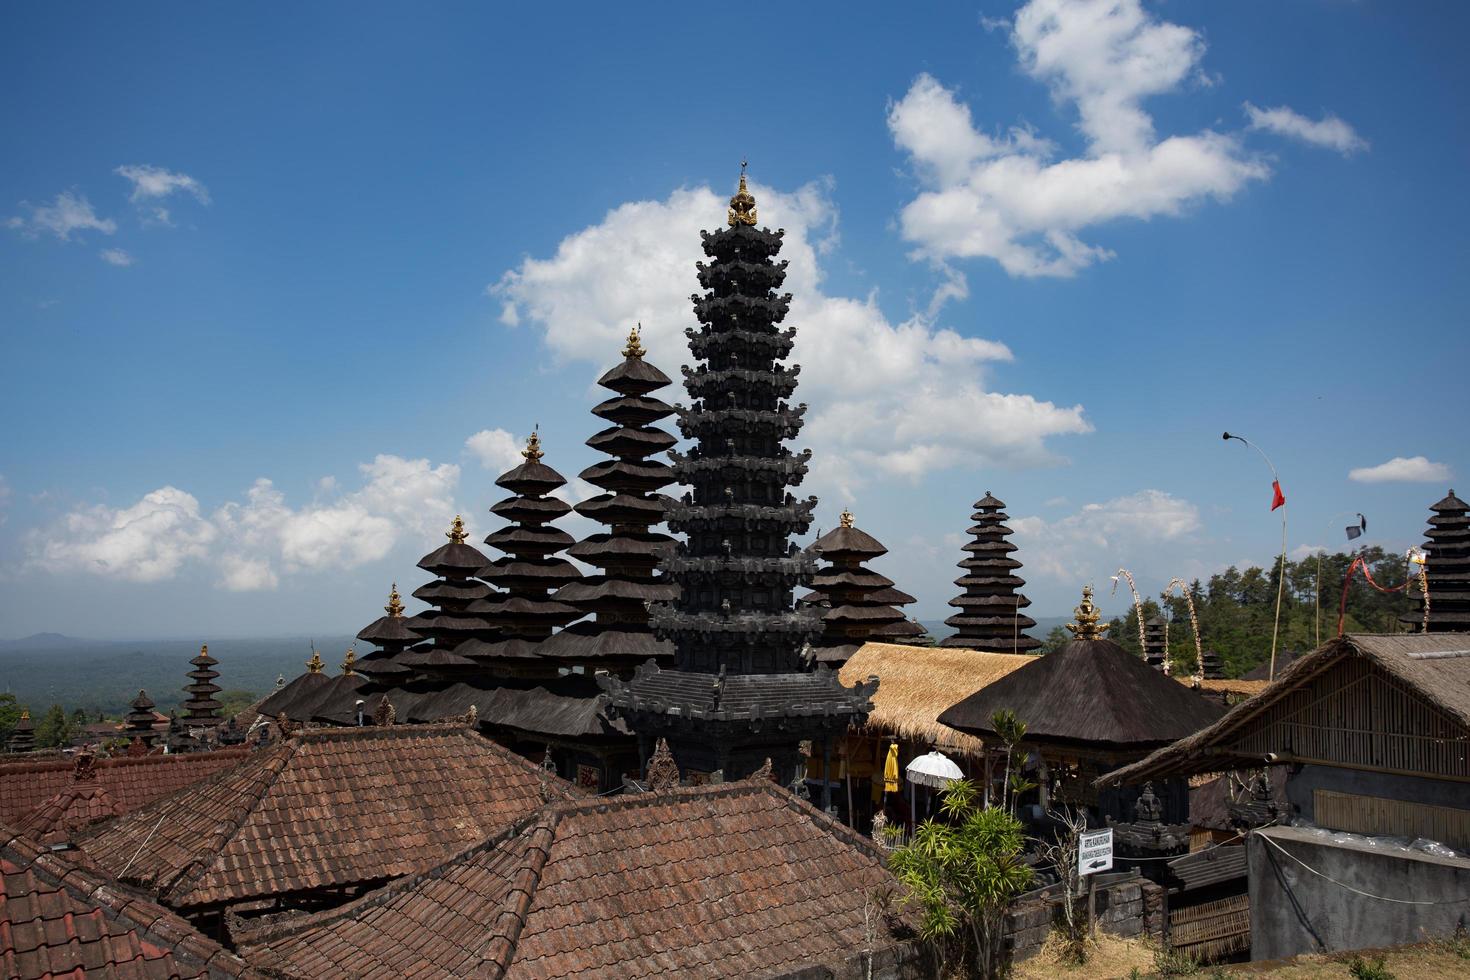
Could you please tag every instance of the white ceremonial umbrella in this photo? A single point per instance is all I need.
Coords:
(934, 770)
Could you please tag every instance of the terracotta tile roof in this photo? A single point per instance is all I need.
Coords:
(58, 919)
(325, 808)
(739, 879)
(130, 781)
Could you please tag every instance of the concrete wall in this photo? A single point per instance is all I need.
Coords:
(1304, 779)
(1294, 911)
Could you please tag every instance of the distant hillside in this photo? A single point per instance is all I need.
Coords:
(98, 675)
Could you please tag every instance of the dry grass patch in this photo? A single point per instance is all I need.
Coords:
(1107, 956)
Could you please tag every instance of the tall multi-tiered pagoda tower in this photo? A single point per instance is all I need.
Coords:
(990, 616)
(451, 593)
(201, 709)
(743, 687)
(391, 635)
(1155, 648)
(23, 736)
(1448, 569)
(530, 569)
(847, 593)
(619, 637)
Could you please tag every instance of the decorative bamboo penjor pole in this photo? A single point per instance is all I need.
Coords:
(1199, 653)
(1137, 608)
(1354, 531)
(1278, 500)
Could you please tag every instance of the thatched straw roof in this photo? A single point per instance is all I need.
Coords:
(1435, 666)
(917, 683)
(1239, 685)
(1089, 693)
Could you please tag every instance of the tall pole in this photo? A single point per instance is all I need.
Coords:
(1281, 570)
(1317, 603)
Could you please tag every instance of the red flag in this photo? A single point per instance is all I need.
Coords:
(1278, 499)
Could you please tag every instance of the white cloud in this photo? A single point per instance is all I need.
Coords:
(147, 542)
(1008, 200)
(116, 256)
(250, 542)
(1402, 469)
(1329, 131)
(1142, 531)
(496, 450)
(890, 398)
(69, 213)
(150, 183)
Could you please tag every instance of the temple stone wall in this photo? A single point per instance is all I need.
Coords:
(1128, 906)
(1295, 912)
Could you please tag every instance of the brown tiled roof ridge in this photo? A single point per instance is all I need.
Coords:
(153, 921)
(524, 867)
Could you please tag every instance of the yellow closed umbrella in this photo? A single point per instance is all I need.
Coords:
(890, 770)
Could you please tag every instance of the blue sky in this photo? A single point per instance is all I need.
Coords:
(1048, 250)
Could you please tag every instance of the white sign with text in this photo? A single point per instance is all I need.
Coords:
(1095, 851)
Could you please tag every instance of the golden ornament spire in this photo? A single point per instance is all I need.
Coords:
(533, 452)
(394, 608)
(634, 346)
(742, 205)
(25, 714)
(314, 665)
(204, 649)
(456, 533)
(845, 518)
(1086, 627)
(349, 660)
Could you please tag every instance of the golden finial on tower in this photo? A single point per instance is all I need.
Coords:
(845, 518)
(1086, 627)
(742, 205)
(456, 533)
(204, 649)
(314, 665)
(394, 608)
(533, 452)
(349, 660)
(634, 346)
(25, 714)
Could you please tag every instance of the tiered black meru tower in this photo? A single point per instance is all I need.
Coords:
(743, 687)
(1448, 570)
(450, 622)
(619, 637)
(201, 709)
(846, 593)
(1155, 649)
(391, 635)
(525, 614)
(990, 617)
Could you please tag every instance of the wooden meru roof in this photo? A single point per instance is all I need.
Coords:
(1090, 693)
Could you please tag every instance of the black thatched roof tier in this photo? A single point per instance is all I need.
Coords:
(139, 721)
(634, 376)
(623, 548)
(454, 557)
(1447, 569)
(513, 648)
(436, 659)
(449, 622)
(990, 617)
(457, 590)
(630, 476)
(623, 508)
(614, 644)
(631, 441)
(298, 691)
(1090, 693)
(391, 632)
(528, 572)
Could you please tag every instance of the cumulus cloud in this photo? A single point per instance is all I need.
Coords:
(1402, 469)
(68, 214)
(1329, 131)
(250, 542)
(154, 183)
(116, 256)
(1008, 198)
(496, 450)
(1136, 530)
(146, 542)
(893, 398)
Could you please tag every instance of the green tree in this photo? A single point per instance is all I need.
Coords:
(54, 729)
(235, 701)
(961, 873)
(1055, 640)
(9, 715)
